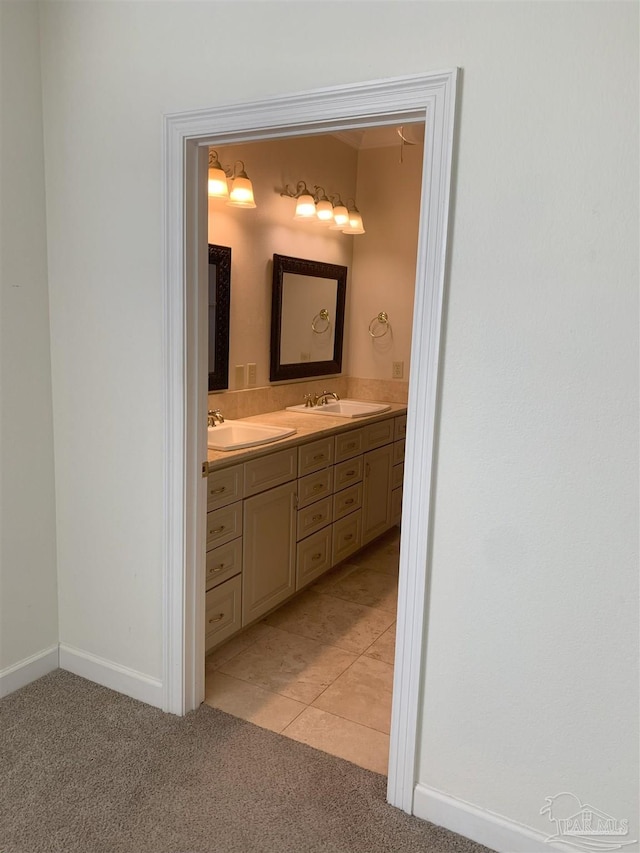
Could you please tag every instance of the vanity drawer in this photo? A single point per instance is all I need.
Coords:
(347, 473)
(224, 524)
(223, 563)
(399, 427)
(315, 486)
(314, 517)
(347, 501)
(224, 487)
(313, 557)
(398, 451)
(222, 612)
(396, 505)
(397, 475)
(347, 536)
(349, 444)
(315, 456)
(375, 435)
(269, 471)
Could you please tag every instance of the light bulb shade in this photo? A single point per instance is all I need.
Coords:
(305, 207)
(218, 184)
(340, 217)
(241, 194)
(324, 211)
(355, 225)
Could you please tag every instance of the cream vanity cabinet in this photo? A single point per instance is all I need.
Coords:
(278, 522)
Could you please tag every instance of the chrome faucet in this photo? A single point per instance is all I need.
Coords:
(310, 401)
(214, 415)
(321, 399)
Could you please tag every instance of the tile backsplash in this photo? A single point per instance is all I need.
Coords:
(272, 398)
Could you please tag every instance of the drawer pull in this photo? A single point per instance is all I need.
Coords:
(217, 618)
(318, 517)
(218, 530)
(350, 446)
(317, 556)
(218, 491)
(214, 569)
(350, 501)
(351, 473)
(318, 457)
(318, 487)
(348, 537)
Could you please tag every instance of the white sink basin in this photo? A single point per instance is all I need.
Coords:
(342, 408)
(232, 435)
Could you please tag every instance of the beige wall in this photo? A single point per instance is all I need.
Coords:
(531, 672)
(384, 259)
(28, 595)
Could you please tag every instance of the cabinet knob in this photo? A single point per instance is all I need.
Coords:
(217, 530)
(218, 491)
(217, 618)
(317, 556)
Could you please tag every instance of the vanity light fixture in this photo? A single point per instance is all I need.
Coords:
(322, 209)
(241, 194)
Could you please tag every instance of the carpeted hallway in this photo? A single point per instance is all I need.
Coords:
(86, 770)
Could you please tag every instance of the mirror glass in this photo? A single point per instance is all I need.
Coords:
(307, 318)
(219, 305)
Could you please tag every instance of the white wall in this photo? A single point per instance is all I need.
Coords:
(531, 672)
(256, 234)
(384, 259)
(28, 597)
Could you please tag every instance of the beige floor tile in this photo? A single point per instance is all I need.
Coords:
(327, 581)
(362, 694)
(384, 648)
(383, 555)
(265, 709)
(293, 666)
(234, 646)
(362, 746)
(369, 587)
(328, 619)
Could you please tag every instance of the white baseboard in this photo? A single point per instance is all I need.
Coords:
(25, 671)
(485, 827)
(112, 675)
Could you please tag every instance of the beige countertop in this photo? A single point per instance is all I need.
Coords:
(307, 426)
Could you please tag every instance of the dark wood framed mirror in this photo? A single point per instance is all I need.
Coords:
(307, 318)
(219, 305)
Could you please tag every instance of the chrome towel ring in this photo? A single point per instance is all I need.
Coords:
(379, 322)
(322, 314)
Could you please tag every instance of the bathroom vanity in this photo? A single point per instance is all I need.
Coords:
(280, 516)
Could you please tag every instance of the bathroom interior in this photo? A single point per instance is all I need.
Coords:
(318, 666)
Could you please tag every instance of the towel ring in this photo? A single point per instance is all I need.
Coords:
(322, 314)
(382, 320)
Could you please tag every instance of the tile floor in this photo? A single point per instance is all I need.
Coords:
(320, 669)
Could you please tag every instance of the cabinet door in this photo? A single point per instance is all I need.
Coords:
(268, 564)
(376, 505)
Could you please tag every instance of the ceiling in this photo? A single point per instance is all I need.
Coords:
(382, 137)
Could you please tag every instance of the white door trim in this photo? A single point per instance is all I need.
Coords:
(430, 96)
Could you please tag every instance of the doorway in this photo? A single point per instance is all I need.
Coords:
(320, 668)
(430, 97)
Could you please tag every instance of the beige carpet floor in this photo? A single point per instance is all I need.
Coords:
(86, 770)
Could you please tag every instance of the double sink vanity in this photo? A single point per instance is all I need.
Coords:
(291, 494)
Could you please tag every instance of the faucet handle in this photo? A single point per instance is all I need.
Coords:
(310, 401)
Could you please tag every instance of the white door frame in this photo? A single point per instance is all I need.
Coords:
(426, 96)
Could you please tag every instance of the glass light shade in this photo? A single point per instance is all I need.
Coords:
(218, 184)
(305, 207)
(241, 194)
(355, 225)
(324, 211)
(340, 217)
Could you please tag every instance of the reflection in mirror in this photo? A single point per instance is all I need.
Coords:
(219, 304)
(307, 318)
